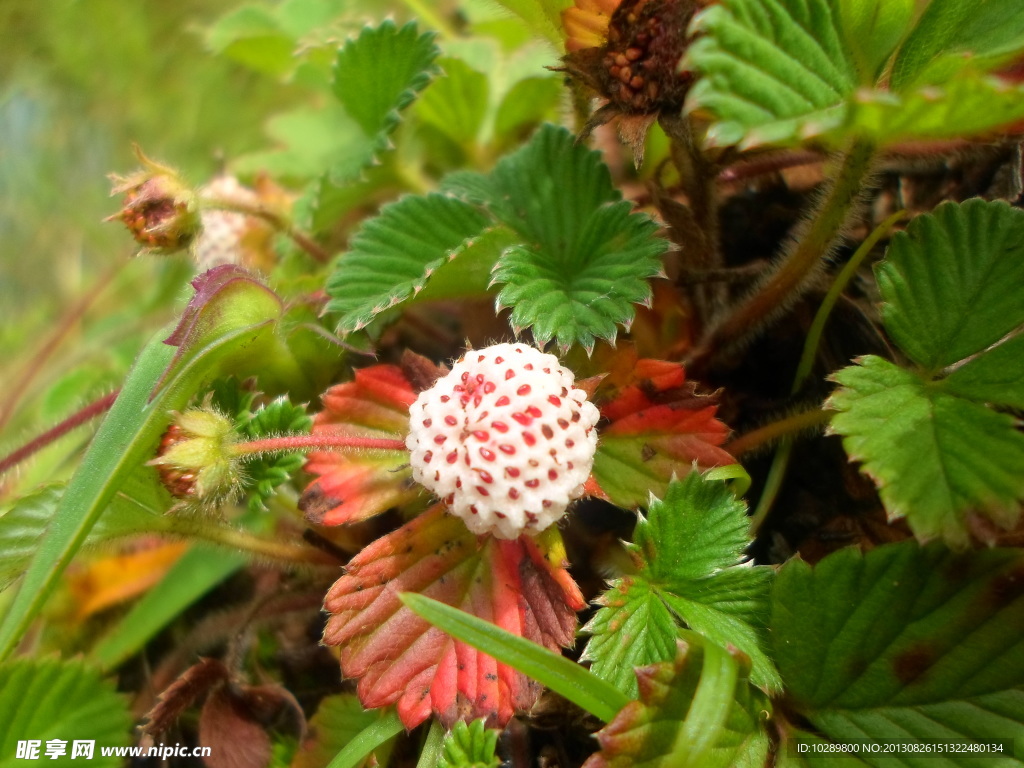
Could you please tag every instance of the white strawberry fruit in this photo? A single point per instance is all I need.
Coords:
(504, 439)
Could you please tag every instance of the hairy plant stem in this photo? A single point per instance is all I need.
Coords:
(91, 411)
(70, 319)
(201, 528)
(274, 219)
(780, 462)
(776, 430)
(315, 443)
(698, 176)
(790, 276)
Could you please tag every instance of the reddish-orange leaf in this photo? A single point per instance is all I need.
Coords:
(400, 659)
(659, 427)
(355, 484)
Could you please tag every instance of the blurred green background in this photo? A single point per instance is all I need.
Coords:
(80, 80)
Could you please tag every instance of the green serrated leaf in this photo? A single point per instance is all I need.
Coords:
(456, 103)
(953, 35)
(470, 746)
(934, 456)
(585, 258)
(373, 94)
(697, 710)
(781, 71)
(769, 69)
(905, 643)
(689, 549)
(697, 530)
(393, 255)
(951, 282)
(872, 29)
(65, 702)
(995, 377)
(634, 628)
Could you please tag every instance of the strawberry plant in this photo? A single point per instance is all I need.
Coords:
(594, 383)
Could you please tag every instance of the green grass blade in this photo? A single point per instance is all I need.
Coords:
(572, 681)
(116, 447)
(368, 740)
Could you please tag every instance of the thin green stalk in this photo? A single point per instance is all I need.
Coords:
(786, 280)
(368, 740)
(780, 463)
(838, 286)
(430, 755)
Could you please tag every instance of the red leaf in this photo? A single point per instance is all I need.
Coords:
(355, 484)
(400, 659)
(660, 427)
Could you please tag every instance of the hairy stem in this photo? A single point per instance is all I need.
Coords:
(780, 462)
(274, 219)
(88, 413)
(273, 549)
(786, 280)
(67, 323)
(698, 176)
(315, 443)
(788, 426)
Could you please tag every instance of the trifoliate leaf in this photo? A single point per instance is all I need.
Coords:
(695, 710)
(401, 659)
(58, 705)
(780, 71)
(689, 555)
(936, 451)
(373, 93)
(583, 259)
(356, 484)
(659, 428)
(951, 282)
(470, 746)
(933, 455)
(905, 643)
(393, 255)
(265, 473)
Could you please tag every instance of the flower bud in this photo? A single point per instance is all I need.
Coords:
(159, 209)
(195, 460)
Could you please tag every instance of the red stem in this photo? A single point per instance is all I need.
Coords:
(90, 411)
(57, 337)
(316, 443)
